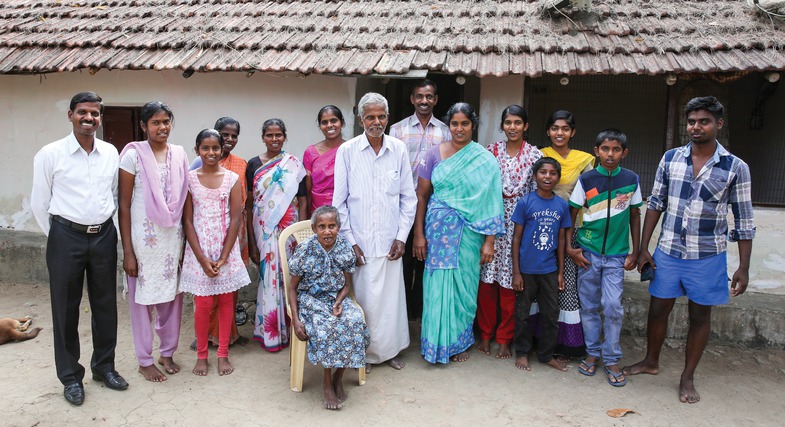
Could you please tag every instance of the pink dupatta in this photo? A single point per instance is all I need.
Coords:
(165, 212)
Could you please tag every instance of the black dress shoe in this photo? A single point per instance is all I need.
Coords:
(74, 393)
(112, 380)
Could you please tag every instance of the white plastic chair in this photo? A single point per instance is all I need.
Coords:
(300, 231)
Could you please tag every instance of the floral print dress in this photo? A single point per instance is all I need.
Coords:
(517, 181)
(211, 222)
(333, 341)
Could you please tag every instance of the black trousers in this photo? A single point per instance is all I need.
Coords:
(412, 277)
(69, 255)
(546, 288)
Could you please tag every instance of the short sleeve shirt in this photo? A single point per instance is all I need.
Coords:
(541, 219)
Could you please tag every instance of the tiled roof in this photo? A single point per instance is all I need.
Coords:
(363, 37)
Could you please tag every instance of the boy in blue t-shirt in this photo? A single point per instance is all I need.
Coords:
(610, 197)
(541, 219)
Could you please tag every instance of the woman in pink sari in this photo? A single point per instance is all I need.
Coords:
(275, 200)
(319, 159)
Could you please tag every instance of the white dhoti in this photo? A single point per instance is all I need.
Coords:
(379, 288)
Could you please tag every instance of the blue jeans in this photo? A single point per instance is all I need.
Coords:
(601, 285)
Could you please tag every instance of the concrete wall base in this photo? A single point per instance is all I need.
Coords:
(751, 320)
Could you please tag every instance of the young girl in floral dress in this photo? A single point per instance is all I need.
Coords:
(212, 268)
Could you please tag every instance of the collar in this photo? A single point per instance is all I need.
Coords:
(364, 143)
(604, 172)
(719, 151)
(74, 146)
(414, 121)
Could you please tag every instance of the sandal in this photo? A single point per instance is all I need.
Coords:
(616, 381)
(589, 372)
(240, 315)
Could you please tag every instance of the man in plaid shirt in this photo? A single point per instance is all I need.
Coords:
(694, 186)
(420, 132)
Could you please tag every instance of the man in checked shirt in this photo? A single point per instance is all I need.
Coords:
(694, 186)
(419, 132)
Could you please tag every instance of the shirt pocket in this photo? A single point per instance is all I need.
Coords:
(713, 189)
(393, 185)
(103, 184)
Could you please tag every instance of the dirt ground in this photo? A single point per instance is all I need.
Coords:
(738, 387)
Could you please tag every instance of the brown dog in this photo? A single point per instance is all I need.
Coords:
(14, 330)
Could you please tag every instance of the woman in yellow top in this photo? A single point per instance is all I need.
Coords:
(560, 128)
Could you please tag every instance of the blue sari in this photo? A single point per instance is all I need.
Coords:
(466, 205)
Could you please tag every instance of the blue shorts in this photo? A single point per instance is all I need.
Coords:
(703, 281)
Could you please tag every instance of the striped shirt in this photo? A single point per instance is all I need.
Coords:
(374, 197)
(695, 224)
(419, 140)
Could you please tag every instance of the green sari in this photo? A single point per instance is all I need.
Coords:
(466, 205)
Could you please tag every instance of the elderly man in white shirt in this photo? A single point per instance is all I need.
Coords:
(419, 132)
(375, 198)
(73, 200)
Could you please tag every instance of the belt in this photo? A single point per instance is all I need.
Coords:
(88, 229)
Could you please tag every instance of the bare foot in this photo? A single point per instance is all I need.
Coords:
(193, 346)
(460, 357)
(396, 364)
(340, 393)
(330, 399)
(241, 341)
(169, 364)
(522, 363)
(504, 352)
(484, 347)
(224, 367)
(556, 364)
(642, 367)
(687, 392)
(152, 374)
(200, 368)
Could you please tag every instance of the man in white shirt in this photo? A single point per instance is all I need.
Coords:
(376, 201)
(73, 200)
(419, 132)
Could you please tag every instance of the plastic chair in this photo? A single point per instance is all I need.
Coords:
(300, 231)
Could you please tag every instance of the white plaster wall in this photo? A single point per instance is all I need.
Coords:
(34, 114)
(496, 93)
(767, 263)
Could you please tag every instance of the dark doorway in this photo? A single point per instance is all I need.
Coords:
(397, 92)
(121, 126)
(635, 104)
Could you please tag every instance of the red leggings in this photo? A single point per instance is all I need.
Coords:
(202, 307)
(487, 297)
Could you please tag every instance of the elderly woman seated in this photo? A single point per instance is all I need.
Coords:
(334, 328)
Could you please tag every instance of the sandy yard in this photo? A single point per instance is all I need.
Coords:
(738, 387)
